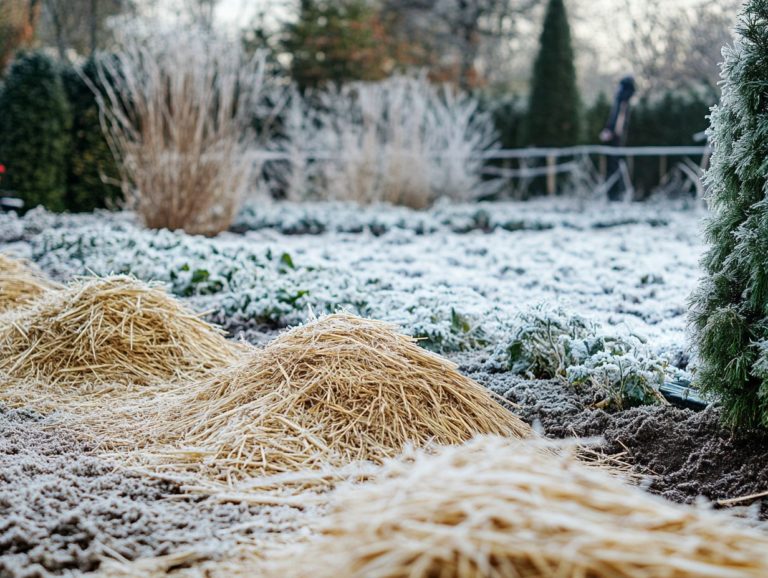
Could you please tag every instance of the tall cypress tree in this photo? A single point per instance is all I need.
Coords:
(730, 307)
(555, 107)
(35, 126)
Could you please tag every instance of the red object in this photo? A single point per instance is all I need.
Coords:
(2, 169)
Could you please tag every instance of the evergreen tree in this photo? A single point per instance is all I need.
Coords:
(35, 127)
(90, 157)
(730, 307)
(555, 107)
(336, 42)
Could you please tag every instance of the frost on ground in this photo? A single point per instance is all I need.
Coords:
(63, 511)
(455, 276)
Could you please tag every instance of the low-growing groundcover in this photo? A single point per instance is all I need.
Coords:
(729, 313)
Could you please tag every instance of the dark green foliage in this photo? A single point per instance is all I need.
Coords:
(508, 114)
(670, 120)
(596, 118)
(555, 107)
(35, 123)
(90, 157)
(730, 307)
(336, 42)
(553, 344)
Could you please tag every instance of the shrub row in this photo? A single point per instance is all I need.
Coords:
(51, 142)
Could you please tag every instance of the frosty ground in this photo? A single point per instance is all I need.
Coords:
(458, 277)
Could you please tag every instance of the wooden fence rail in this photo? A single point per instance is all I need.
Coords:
(549, 163)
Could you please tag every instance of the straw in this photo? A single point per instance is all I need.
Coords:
(114, 330)
(20, 283)
(329, 393)
(499, 508)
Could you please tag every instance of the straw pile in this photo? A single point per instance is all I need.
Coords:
(337, 390)
(497, 508)
(20, 284)
(115, 330)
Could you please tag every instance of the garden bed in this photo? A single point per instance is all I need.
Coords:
(463, 291)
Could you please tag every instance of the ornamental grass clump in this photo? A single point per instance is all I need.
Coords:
(729, 314)
(335, 391)
(20, 283)
(178, 109)
(114, 330)
(502, 508)
(401, 140)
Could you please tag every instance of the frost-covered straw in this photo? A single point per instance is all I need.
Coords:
(177, 108)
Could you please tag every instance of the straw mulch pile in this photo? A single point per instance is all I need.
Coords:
(329, 393)
(115, 330)
(20, 283)
(497, 508)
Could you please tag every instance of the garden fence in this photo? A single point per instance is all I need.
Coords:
(665, 169)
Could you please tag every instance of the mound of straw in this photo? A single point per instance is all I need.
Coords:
(115, 330)
(329, 393)
(496, 508)
(20, 284)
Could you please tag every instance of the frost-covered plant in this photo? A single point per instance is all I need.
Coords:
(291, 177)
(730, 307)
(186, 265)
(233, 282)
(553, 344)
(178, 108)
(443, 329)
(242, 284)
(312, 218)
(401, 141)
(541, 342)
(620, 367)
(11, 227)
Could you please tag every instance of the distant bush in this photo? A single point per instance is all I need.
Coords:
(35, 124)
(596, 118)
(509, 114)
(92, 179)
(671, 119)
(402, 141)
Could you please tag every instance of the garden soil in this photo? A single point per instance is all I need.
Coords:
(683, 455)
